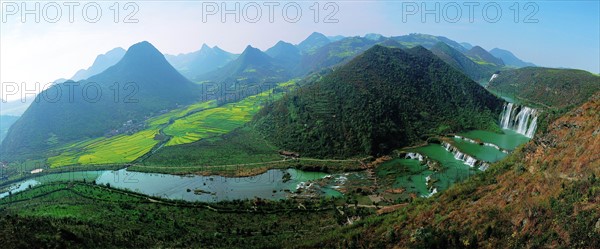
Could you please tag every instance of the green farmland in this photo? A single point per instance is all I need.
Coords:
(180, 126)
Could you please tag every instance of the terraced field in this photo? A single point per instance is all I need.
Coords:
(180, 126)
(118, 149)
(216, 121)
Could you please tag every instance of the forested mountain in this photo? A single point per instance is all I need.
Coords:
(383, 99)
(509, 58)
(102, 62)
(202, 61)
(141, 84)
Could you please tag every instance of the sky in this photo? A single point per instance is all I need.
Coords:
(548, 33)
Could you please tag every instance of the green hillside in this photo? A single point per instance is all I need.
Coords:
(547, 87)
(383, 99)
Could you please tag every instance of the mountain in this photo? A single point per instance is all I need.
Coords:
(373, 36)
(458, 60)
(383, 99)
(481, 56)
(313, 42)
(200, 62)
(285, 53)
(251, 67)
(544, 195)
(427, 41)
(101, 63)
(547, 87)
(146, 84)
(509, 58)
(5, 122)
(335, 38)
(466, 45)
(334, 53)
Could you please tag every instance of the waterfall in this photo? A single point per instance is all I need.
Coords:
(465, 158)
(434, 191)
(485, 144)
(414, 156)
(521, 119)
(493, 77)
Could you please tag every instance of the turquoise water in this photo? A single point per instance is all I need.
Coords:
(481, 152)
(454, 169)
(509, 140)
(408, 174)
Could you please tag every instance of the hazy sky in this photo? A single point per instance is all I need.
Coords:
(554, 34)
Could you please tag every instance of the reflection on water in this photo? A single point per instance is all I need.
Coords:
(273, 184)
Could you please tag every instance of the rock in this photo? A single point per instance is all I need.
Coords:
(597, 226)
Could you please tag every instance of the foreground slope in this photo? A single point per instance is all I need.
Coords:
(141, 84)
(545, 195)
(383, 99)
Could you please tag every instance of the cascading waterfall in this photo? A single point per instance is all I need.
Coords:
(414, 156)
(521, 119)
(465, 158)
(485, 144)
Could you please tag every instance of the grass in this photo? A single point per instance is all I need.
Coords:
(218, 121)
(75, 214)
(243, 145)
(117, 149)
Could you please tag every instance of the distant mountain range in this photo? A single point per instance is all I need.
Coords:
(253, 66)
(206, 59)
(147, 84)
(102, 62)
(463, 63)
(482, 56)
(509, 58)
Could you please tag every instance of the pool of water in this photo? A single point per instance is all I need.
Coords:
(407, 174)
(509, 140)
(453, 171)
(479, 151)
